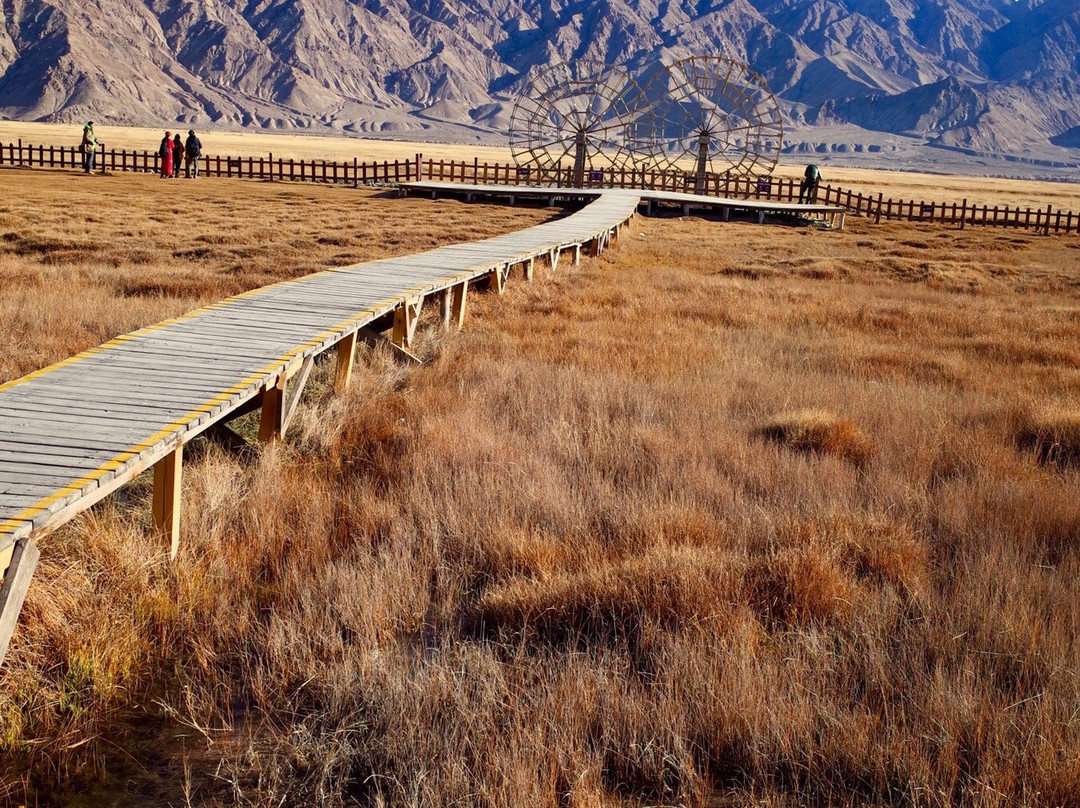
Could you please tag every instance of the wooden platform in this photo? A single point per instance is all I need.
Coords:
(74, 432)
(834, 215)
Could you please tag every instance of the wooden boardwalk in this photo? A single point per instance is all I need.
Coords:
(759, 208)
(74, 432)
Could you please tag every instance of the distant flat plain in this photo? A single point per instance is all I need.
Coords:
(895, 184)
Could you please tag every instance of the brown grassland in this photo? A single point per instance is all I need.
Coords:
(731, 515)
(907, 185)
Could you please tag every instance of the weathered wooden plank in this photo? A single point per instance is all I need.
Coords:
(17, 575)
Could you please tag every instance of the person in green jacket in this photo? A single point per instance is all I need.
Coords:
(809, 184)
(88, 147)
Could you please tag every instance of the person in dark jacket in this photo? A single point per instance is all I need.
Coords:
(192, 153)
(177, 155)
(166, 154)
(808, 187)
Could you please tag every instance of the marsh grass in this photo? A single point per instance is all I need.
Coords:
(819, 431)
(557, 565)
(1051, 434)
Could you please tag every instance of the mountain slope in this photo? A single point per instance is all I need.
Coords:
(978, 74)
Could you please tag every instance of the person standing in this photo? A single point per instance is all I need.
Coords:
(809, 184)
(192, 153)
(88, 147)
(177, 155)
(166, 154)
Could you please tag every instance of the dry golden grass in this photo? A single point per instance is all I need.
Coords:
(558, 566)
(1052, 434)
(906, 185)
(819, 431)
(83, 259)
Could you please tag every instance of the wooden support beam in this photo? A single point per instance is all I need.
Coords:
(727, 214)
(553, 258)
(273, 410)
(577, 254)
(406, 316)
(375, 339)
(18, 570)
(459, 301)
(224, 436)
(498, 278)
(296, 389)
(346, 355)
(530, 266)
(167, 474)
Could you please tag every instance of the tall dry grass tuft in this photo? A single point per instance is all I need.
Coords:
(554, 566)
(1051, 435)
(819, 431)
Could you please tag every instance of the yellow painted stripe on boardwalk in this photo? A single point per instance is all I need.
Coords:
(118, 460)
(9, 525)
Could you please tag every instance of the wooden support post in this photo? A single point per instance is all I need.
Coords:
(167, 473)
(727, 213)
(17, 570)
(530, 266)
(553, 258)
(458, 302)
(577, 254)
(498, 278)
(273, 410)
(963, 213)
(1049, 208)
(346, 354)
(445, 306)
(406, 315)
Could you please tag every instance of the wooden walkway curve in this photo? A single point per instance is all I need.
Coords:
(834, 215)
(72, 433)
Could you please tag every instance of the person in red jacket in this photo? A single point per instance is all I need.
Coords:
(165, 152)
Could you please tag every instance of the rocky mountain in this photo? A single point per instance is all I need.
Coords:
(980, 75)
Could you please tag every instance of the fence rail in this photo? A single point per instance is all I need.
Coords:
(356, 173)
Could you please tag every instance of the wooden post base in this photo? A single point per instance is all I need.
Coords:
(167, 474)
(19, 566)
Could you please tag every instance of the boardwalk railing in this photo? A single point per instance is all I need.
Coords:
(356, 173)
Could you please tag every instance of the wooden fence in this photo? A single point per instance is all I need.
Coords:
(266, 167)
(355, 173)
